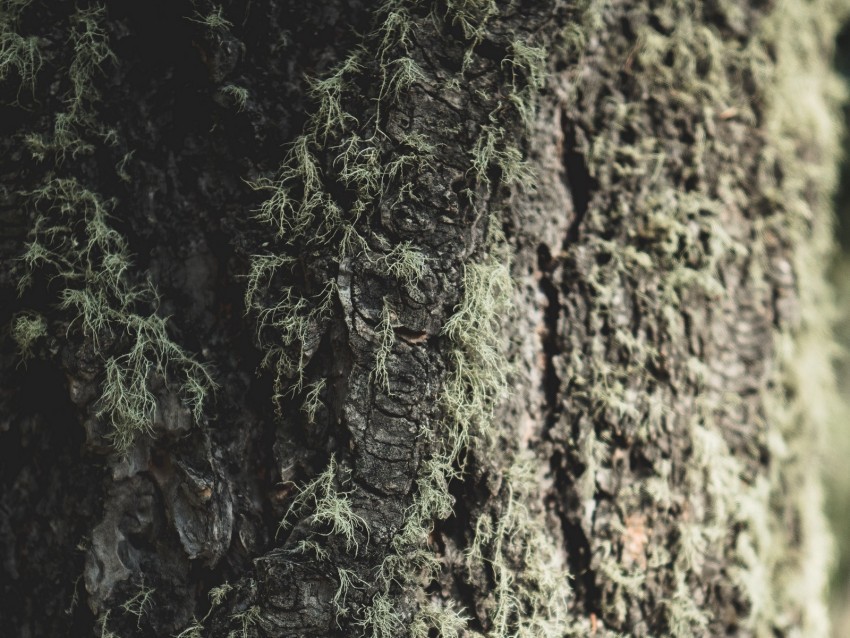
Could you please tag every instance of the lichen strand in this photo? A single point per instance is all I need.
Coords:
(86, 310)
(74, 246)
(684, 332)
(72, 242)
(399, 209)
(20, 57)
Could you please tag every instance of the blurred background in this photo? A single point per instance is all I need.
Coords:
(838, 449)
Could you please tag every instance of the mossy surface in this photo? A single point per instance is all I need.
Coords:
(513, 309)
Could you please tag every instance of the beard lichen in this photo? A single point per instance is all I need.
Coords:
(73, 241)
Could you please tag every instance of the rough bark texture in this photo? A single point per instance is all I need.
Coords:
(432, 319)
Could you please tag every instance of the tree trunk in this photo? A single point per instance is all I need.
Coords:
(463, 318)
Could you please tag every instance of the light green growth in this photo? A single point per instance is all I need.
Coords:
(405, 73)
(440, 616)
(348, 580)
(73, 238)
(478, 380)
(11, 9)
(381, 619)
(433, 500)
(528, 64)
(360, 167)
(474, 386)
(395, 32)
(247, 619)
(105, 632)
(239, 95)
(16, 51)
(305, 546)
(263, 268)
(380, 373)
(296, 322)
(139, 604)
(195, 630)
(311, 211)
(109, 136)
(127, 401)
(493, 149)
(218, 594)
(27, 329)
(405, 263)
(328, 91)
(683, 244)
(91, 51)
(802, 121)
(528, 75)
(214, 20)
(530, 599)
(38, 146)
(331, 508)
(19, 53)
(472, 17)
(121, 167)
(301, 211)
(313, 399)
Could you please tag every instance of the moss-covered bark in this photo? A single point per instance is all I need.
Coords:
(533, 289)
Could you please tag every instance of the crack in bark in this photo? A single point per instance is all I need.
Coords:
(580, 184)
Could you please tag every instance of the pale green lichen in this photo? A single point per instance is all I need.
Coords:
(239, 95)
(313, 399)
(27, 329)
(683, 239)
(139, 604)
(386, 335)
(529, 597)
(214, 21)
(330, 511)
(74, 241)
(802, 120)
(21, 53)
(246, 620)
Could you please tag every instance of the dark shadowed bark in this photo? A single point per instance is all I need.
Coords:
(463, 318)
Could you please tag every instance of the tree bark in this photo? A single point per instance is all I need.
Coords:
(464, 318)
